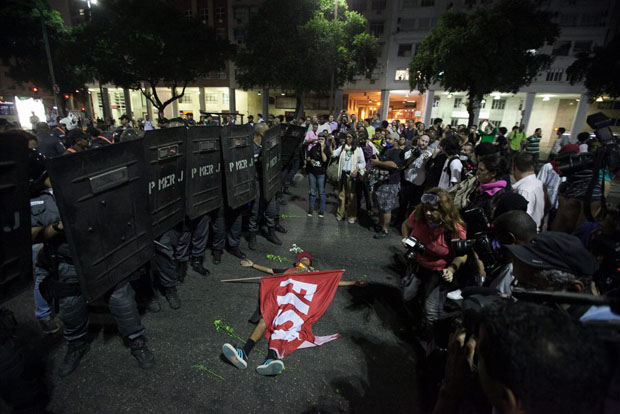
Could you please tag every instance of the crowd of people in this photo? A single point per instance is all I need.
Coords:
(474, 207)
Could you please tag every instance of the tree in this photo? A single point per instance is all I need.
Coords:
(599, 70)
(143, 44)
(297, 46)
(23, 50)
(492, 48)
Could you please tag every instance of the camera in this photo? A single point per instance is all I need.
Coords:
(482, 242)
(607, 155)
(414, 247)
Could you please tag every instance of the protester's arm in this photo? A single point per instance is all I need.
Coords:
(44, 234)
(452, 268)
(323, 154)
(360, 283)
(459, 376)
(385, 164)
(249, 263)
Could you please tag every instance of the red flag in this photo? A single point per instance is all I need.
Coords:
(290, 303)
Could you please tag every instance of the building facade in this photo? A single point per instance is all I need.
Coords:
(400, 25)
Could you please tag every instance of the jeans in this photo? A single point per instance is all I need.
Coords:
(430, 290)
(42, 309)
(347, 199)
(317, 181)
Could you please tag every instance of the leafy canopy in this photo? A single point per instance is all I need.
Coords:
(492, 48)
(128, 42)
(23, 50)
(297, 46)
(599, 70)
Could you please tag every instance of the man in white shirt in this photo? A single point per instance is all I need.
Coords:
(148, 124)
(325, 127)
(530, 187)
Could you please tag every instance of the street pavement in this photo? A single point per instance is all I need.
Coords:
(370, 369)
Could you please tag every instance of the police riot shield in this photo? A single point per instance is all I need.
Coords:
(204, 172)
(292, 139)
(15, 245)
(102, 199)
(271, 162)
(239, 170)
(165, 156)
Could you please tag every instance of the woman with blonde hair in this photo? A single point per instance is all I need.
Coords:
(351, 164)
(433, 223)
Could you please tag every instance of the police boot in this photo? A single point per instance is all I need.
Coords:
(279, 228)
(153, 305)
(198, 267)
(182, 271)
(272, 237)
(76, 349)
(252, 241)
(145, 357)
(172, 297)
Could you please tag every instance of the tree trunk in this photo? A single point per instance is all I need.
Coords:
(299, 107)
(473, 103)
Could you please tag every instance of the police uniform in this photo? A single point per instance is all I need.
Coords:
(55, 257)
(261, 208)
(193, 242)
(227, 228)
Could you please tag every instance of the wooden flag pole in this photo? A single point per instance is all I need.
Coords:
(243, 279)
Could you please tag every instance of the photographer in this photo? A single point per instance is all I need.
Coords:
(490, 171)
(433, 224)
(512, 227)
(530, 359)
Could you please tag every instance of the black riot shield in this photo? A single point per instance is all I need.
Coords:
(102, 199)
(271, 162)
(204, 171)
(165, 156)
(15, 245)
(292, 139)
(239, 170)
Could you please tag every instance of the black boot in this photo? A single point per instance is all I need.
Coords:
(173, 297)
(153, 305)
(198, 267)
(75, 351)
(217, 257)
(145, 357)
(272, 237)
(236, 251)
(182, 271)
(278, 227)
(252, 240)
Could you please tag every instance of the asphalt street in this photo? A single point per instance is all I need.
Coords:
(370, 369)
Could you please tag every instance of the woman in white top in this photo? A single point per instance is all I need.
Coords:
(351, 164)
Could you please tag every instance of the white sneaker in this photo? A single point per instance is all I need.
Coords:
(270, 367)
(236, 356)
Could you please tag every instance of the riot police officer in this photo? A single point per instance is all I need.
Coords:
(61, 280)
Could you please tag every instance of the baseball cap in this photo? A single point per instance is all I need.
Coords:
(555, 250)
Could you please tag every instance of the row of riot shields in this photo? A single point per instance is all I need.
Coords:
(116, 200)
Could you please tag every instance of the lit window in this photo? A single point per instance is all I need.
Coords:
(498, 104)
(225, 99)
(204, 15)
(457, 102)
(211, 98)
(402, 75)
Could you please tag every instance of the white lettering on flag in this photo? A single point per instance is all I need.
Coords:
(290, 334)
(298, 286)
(293, 299)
